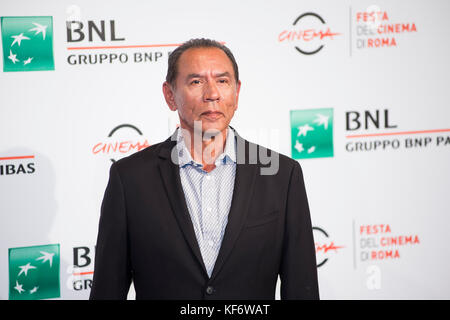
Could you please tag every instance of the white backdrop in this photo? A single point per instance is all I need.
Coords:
(376, 56)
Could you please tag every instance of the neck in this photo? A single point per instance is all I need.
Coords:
(205, 148)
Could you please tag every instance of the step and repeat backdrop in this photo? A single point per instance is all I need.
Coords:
(356, 91)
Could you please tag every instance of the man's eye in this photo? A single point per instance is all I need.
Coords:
(195, 82)
(223, 81)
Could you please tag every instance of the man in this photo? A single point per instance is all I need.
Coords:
(201, 215)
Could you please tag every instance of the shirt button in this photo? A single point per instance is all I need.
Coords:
(209, 209)
(208, 178)
(209, 290)
(211, 243)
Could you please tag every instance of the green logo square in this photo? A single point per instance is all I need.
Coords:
(34, 272)
(27, 43)
(312, 133)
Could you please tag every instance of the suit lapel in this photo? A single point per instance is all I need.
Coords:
(242, 194)
(171, 178)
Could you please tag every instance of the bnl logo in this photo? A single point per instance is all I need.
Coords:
(27, 43)
(312, 133)
(34, 272)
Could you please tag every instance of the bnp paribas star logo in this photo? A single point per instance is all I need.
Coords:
(312, 133)
(34, 272)
(27, 43)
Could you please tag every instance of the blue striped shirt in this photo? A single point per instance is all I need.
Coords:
(208, 196)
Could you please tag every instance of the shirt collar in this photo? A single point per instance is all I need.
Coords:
(228, 155)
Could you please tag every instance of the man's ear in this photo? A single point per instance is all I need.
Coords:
(169, 96)
(238, 89)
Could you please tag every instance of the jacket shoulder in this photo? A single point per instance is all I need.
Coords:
(265, 157)
(144, 158)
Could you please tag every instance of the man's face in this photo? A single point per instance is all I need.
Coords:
(205, 89)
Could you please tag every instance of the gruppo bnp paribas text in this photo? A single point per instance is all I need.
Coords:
(113, 49)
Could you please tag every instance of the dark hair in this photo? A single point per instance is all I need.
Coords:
(172, 69)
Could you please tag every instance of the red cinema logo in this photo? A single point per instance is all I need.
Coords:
(122, 141)
(309, 34)
(324, 247)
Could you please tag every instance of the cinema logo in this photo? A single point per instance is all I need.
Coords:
(374, 29)
(101, 43)
(377, 242)
(325, 247)
(17, 165)
(122, 141)
(377, 130)
(309, 33)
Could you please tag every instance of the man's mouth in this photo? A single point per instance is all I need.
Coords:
(212, 115)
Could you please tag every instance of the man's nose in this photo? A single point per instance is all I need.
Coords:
(211, 92)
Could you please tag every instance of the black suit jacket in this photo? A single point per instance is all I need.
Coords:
(146, 234)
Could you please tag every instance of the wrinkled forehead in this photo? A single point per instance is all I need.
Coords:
(204, 60)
